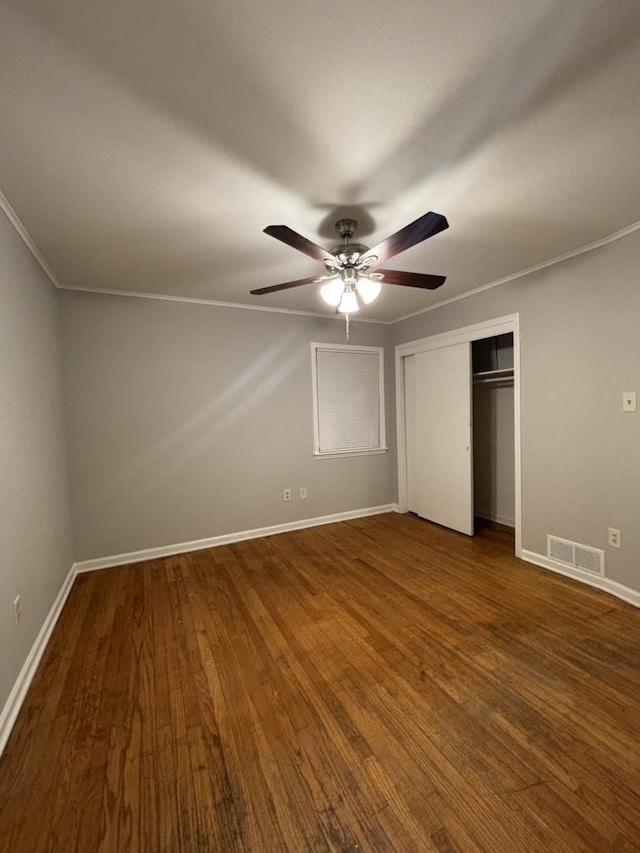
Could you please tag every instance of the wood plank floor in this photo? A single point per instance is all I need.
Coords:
(377, 685)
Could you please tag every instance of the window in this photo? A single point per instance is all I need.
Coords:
(348, 399)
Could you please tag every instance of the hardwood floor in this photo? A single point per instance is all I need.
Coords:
(377, 685)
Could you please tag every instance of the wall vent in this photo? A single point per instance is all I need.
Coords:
(578, 556)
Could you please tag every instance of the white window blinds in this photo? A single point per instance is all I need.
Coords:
(349, 399)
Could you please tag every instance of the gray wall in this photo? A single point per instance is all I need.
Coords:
(35, 528)
(187, 421)
(580, 339)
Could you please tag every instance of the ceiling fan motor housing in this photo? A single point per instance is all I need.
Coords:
(348, 252)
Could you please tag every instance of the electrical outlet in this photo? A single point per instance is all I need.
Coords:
(615, 538)
(287, 494)
(303, 493)
(16, 609)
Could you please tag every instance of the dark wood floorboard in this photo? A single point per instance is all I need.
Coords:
(377, 685)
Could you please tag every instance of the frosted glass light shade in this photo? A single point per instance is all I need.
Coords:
(368, 289)
(348, 303)
(332, 291)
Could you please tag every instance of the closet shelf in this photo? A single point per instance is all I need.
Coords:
(493, 375)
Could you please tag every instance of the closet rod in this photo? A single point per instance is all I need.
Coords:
(494, 380)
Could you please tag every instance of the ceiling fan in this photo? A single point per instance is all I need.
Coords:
(353, 276)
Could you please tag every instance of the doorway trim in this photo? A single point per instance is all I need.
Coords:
(466, 334)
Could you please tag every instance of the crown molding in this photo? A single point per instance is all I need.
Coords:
(589, 247)
(136, 294)
(165, 297)
(13, 218)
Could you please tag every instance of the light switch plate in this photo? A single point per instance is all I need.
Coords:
(629, 401)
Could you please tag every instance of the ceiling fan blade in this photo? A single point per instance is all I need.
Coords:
(273, 287)
(412, 279)
(297, 241)
(426, 226)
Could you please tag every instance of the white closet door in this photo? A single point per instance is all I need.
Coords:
(410, 431)
(439, 455)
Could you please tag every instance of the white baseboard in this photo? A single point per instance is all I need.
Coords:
(226, 539)
(627, 594)
(13, 704)
(499, 519)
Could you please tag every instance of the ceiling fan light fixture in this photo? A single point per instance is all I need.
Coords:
(332, 292)
(368, 289)
(348, 303)
(350, 282)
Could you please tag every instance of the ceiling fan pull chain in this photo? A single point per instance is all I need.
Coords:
(346, 319)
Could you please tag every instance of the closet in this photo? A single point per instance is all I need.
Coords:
(459, 432)
(493, 429)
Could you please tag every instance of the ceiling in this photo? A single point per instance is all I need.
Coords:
(146, 144)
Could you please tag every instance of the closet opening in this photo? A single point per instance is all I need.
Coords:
(458, 416)
(494, 476)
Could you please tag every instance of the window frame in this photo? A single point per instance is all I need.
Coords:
(338, 454)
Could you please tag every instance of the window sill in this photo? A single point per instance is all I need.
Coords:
(345, 453)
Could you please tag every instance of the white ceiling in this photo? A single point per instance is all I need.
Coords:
(145, 144)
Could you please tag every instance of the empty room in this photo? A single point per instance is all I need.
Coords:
(319, 430)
